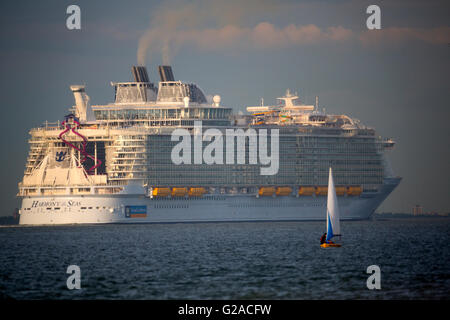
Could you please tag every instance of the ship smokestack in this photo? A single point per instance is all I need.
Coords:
(165, 73)
(83, 109)
(140, 74)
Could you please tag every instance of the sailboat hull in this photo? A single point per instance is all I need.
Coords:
(330, 245)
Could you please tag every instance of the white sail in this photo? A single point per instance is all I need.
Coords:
(333, 225)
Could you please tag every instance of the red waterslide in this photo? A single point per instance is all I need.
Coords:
(68, 127)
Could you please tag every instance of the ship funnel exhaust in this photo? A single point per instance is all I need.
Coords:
(140, 74)
(165, 73)
(83, 109)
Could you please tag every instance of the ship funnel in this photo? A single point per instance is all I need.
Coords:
(165, 73)
(83, 110)
(140, 74)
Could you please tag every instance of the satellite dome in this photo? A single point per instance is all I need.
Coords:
(216, 100)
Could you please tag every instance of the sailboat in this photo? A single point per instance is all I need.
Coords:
(333, 223)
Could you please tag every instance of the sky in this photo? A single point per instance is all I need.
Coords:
(395, 79)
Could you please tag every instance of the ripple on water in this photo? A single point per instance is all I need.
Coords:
(227, 261)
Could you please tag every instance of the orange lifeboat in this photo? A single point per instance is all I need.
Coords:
(306, 191)
(354, 191)
(196, 192)
(340, 191)
(321, 191)
(283, 191)
(266, 191)
(161, 192)
(179, 192)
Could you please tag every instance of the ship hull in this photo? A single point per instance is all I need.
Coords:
(129, 208)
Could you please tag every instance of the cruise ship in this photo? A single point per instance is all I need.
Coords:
(123, 162)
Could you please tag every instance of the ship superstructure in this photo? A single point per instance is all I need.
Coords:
(114, 162)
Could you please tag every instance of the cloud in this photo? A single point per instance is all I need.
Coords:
(194, 19)
(263, 36)
(396, 35)
(226, 25)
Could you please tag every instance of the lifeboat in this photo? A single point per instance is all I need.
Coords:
(340, 191)
(321, 191)
(283, 191)
(161, 192)
(179, 192)
(354, 191)
(266, 191)
(306, 191)
(196, 192)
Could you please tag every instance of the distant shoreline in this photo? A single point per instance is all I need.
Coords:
(408, 215)
(11, 220)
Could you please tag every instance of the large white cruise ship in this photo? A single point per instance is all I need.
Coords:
(114, 163)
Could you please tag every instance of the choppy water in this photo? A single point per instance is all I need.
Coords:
(276, 260)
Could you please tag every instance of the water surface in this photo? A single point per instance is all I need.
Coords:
(270, 260)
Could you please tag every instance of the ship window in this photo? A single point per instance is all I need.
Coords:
(49, 208)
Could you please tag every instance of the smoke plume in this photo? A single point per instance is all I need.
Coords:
(216, 25)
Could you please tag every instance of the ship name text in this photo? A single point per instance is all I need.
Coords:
(69, 203)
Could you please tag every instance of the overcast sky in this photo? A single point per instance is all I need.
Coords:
(395, 79)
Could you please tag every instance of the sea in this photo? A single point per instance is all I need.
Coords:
(257, 260)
